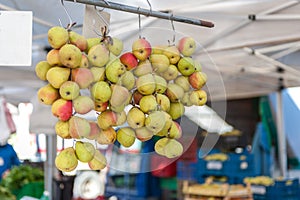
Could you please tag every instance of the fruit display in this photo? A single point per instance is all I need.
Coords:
(155, 83)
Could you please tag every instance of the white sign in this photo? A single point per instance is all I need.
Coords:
(15, 38)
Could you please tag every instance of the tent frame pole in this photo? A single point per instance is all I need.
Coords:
(281, 138)
(146, 12)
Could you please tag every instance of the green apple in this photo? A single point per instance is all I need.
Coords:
(183, 81)
(172, 53)
(148, 104)
(56, 76)
(174, 92)
(146, 84)
(101, 91)
(115, 46)
(155, 121)
(186, 99)
(163, 102)
(100, 106)
(114, 70)
(62, 129)
(98, 73)
(84, 61)
(66, 160)
(186, 66)
(83, 104)
(166, 128)
(198, 97)
(135, 118)
(70, 56)
(98, 55)
(160, 62)
(171, 73)
(57, 37)
(143, 67)
(176, 110)
(41, 69)
(127, 80)
(92, 42)
(126, 136)
(84, 151)
(69, 90)
(173, 149)
(160, 83)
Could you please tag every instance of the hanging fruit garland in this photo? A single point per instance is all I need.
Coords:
(156, 81)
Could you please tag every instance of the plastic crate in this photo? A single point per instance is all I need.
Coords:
(187, 170)
(287, 189)
(239, 166)
(168, 183)
(212, 167)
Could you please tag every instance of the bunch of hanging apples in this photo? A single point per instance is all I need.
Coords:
(155, 83)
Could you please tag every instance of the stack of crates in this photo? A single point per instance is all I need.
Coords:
(135, 186)
(287, 189)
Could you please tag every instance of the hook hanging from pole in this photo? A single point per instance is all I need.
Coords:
(140, 26)
(105, 30)
(71, 23)
(173, 28)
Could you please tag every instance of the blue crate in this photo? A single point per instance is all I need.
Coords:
(285, 189)
(213, 168)
(187, 170)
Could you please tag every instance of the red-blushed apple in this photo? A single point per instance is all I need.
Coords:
(95, 131)
(83, 77)
(84, 61)
(62, 109)
(175, 130)
(98, 162)
(198, 97)
(187, 46)
(107, 119)
(53, 58)
(143, 134)
(107, 136)
(141, 48)
(197, 80)
(48, 94)
(78, 40)
(83, 104)
(101, 106)
(79, 127)
(136, 96)
(129, 60)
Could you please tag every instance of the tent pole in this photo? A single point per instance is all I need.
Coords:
(146, 12)
(49, 168)
(281, 139)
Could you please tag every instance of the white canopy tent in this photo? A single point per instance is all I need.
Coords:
(253, 50)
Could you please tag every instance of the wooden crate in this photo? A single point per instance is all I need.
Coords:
(213, 191)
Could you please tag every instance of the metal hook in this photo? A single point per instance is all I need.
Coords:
(173, 27)
(69, 17)
(150, 8)
(107, 30)
(140, 27)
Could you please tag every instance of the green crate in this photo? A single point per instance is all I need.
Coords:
(168, 183)
(34, 189)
